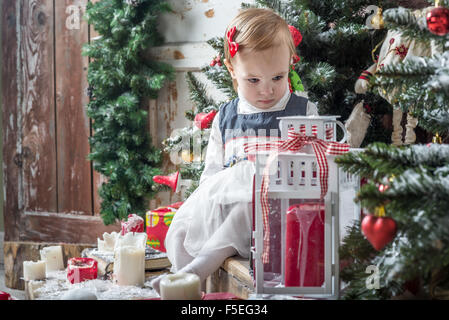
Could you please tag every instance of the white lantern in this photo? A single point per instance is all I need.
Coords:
(302, 227)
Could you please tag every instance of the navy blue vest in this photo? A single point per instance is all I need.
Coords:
(250, 124)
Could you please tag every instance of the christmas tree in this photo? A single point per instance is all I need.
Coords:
(407, 188)
(120, 82)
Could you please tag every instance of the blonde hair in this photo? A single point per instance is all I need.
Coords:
(259, 29)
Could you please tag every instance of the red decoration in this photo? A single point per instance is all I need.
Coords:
(232, 45)
(158, 222)
(383, 187)
(81, 269)
(304, 245)
(134, 223)
(5, 296)
(379, 230)
(438, 21)
(203, 120)
(367, 108)
(171, 180)
(217, 61)
(296, 59)
(366, 75)
(297, 36)
(401, 51)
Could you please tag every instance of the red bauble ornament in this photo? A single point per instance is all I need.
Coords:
(203, 120)
(217, 61)
(438, 21)
(297, 36)
(379, 230)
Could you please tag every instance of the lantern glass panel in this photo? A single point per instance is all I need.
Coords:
(297, 243)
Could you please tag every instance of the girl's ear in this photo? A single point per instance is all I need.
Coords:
(230, 68)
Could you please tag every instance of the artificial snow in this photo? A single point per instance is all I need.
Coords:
(57, 287)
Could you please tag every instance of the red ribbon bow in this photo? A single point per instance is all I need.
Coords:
(233, 46)
(294, 143)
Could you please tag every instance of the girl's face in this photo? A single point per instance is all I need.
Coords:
(262, 76)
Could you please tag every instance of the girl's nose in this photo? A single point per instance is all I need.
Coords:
(266, 89)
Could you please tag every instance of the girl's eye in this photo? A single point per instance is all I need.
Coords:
(253, 80)
(277, 78)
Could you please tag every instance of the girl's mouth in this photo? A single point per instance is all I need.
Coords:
(266, 101)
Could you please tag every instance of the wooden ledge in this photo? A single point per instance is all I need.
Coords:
(233, 276)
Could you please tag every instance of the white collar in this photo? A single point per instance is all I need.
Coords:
(245, 107)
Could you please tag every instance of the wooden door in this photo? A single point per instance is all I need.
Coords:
(49, 185)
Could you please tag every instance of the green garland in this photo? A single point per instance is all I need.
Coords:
(121, 80)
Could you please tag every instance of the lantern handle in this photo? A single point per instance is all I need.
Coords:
(341, 125)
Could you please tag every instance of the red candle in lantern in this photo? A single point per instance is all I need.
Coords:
(304, 252)
(81, 269)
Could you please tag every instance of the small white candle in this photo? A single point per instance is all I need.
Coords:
(129, 266)
(108, 242)
(53, 258)
(180, 286)
(34, 270)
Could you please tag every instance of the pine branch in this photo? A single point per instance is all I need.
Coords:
(412, 27)
(435, 120)
(198, 94)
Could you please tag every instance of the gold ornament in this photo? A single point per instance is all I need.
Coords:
(379, 211)
(437, 139)
(378, 21)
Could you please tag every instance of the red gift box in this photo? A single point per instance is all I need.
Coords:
(158, 221)
(134, 223)
(81, 269)
(304, 255)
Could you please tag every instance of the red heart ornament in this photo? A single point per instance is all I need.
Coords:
(379, 230)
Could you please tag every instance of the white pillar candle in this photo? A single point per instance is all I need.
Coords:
(180, 286)
(129, 266)
(33, 270)
(53, 258)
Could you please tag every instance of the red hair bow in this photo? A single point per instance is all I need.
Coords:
(233, 46)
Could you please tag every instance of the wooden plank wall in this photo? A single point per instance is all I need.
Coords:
(52, 81)
(74, 188)
(36, 85)
(10, 113)
(48, 182)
